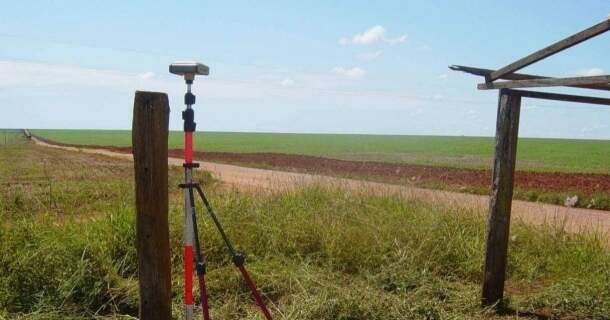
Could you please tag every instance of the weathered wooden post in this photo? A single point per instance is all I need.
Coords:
(149, 140)
(498, 225)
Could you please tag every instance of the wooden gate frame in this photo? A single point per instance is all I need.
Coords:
(507, 128)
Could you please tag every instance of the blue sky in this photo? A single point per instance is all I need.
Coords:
(311, 66)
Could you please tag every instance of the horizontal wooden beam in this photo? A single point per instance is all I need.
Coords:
(560, 97)
(547, 82)
(518, 76)
(551, 50)
(485, 72)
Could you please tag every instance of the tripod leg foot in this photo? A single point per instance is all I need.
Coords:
(205, 308)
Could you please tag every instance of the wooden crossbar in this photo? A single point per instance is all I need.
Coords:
(551, 50)
(519, 76)
(546, 82)
(560, 97)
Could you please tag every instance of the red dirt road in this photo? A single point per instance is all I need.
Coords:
(584, 183)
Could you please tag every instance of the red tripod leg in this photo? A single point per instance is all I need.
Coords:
(205, 308)
(200, 266)
(257, 296)
(238, 259)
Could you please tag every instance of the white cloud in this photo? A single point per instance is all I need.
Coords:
(443, 76)
(287, 82)
(352, 73)
(593, 128)
(56, 78)
(368, 56)
(147, 75)
(396, 40)
(590, 72)
(372, 35)
(19, 77)
(18, 74)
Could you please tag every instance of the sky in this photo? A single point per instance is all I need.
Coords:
(371, 67)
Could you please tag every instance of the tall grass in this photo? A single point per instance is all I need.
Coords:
(316, 253)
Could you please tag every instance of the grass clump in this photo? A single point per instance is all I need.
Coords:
(317, 254)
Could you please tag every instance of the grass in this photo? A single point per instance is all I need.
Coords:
(471, 152)
(317, 253)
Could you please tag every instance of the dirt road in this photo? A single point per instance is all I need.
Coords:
(574, 219)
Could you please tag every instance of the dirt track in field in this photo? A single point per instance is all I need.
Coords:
(457, 178)
(574, 219)
(395, 172)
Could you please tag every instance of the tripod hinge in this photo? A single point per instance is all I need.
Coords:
(200, 267)
(239, 259)
(188, 185)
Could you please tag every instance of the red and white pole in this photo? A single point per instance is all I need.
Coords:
(192, 248)
(188, 214)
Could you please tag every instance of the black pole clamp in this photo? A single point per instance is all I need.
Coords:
(191, 165)
(188, 116)
(188, 185)
(189, 99)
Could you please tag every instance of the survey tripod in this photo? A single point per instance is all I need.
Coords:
(191, 234)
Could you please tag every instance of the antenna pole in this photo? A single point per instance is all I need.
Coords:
(191, 234)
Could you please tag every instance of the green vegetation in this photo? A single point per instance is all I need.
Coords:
(471, 152)
(67, 237)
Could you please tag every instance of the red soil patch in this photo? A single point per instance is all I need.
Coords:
(583, 183)
(419, 174)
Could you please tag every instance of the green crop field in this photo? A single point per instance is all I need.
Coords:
(589, 156)
(67, 239)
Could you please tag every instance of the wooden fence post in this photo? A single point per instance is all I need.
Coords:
(149, 141)
(498, 225)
